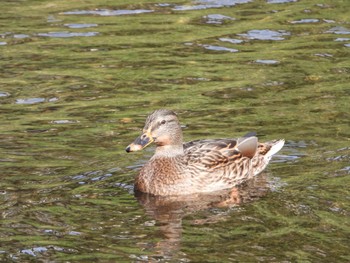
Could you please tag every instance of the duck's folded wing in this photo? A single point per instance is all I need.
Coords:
(211, 154)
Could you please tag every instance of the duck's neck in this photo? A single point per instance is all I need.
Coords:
(169, 151)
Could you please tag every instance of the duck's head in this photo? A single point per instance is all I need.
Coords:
(162, 127)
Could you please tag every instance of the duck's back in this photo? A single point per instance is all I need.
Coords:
(216, 154)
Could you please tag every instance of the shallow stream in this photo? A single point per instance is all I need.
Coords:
(77, 80)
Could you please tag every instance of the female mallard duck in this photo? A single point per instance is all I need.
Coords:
(199, 166)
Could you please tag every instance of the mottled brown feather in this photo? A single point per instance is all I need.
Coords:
(200, 165)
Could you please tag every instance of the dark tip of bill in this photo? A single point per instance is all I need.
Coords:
(127, 149)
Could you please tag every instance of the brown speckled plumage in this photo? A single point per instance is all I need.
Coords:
(179, 168)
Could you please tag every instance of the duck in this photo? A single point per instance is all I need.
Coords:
(199, 166)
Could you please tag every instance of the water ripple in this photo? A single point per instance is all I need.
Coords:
(265, 34)
(64, 122)
(231, 40)
(267, 61)
(217, 18)
(4, 94)
(30, 101)
(80, 25)
(34, 250)
(65, 34)
(339, 30)
(341, 39)
(280, 1)
(305, 21)
(206, 4)
(20, 36)
(107, 12)
(33, 100)
(219, 48)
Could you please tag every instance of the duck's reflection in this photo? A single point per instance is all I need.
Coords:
(168, 211)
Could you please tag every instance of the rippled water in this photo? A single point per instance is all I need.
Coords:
(265, 34)
(217, 18)
(106, 12)
(78, 78)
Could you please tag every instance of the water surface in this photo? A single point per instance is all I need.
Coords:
(77, 80)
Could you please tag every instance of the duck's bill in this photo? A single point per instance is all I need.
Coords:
(140, 142)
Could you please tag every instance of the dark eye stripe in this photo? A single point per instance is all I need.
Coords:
(159, 124)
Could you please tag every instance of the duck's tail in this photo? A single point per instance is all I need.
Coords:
(274, 147)
(265, 152)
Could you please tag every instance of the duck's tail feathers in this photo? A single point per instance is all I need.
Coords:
(275, 147)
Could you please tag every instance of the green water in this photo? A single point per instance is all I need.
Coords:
(78, 78)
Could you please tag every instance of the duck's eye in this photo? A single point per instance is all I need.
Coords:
(163, 122)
